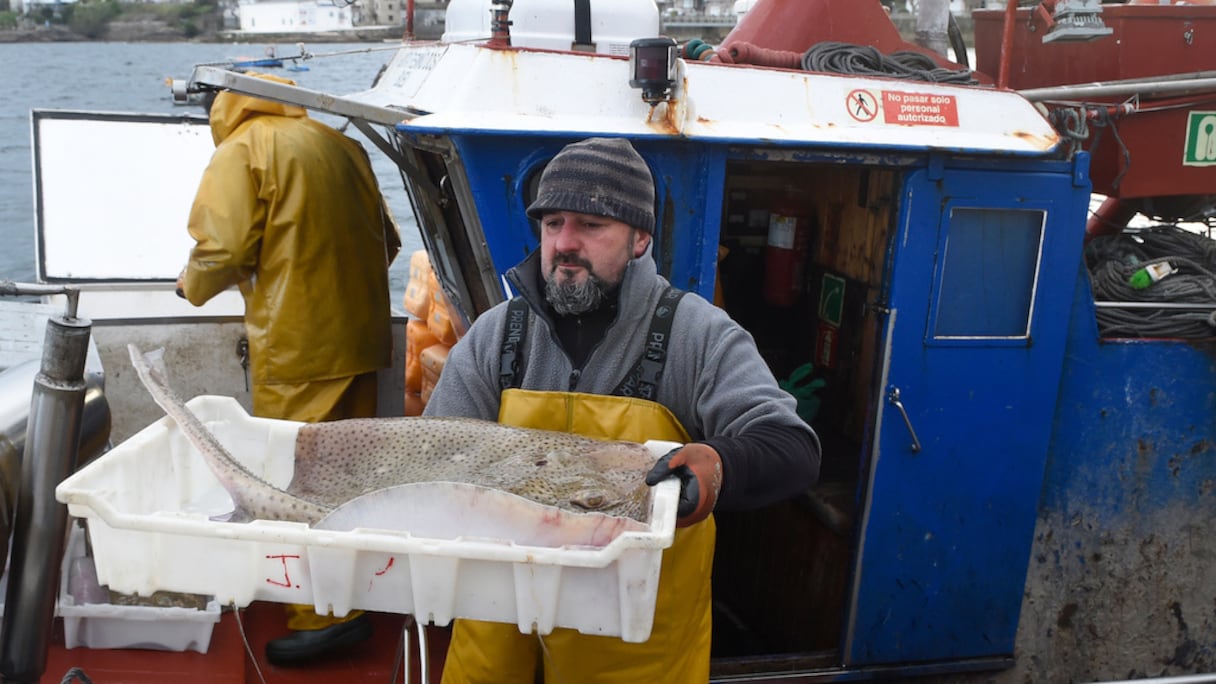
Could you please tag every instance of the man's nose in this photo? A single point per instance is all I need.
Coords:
(568, 238)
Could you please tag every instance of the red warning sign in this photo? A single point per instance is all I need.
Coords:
(862, 105)
(919, 109)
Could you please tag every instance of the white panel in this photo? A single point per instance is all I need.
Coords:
(114, 195)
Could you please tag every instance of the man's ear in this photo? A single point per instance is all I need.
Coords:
(640, 242)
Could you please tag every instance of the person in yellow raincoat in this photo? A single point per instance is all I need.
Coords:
(599, 344)
(289, 210)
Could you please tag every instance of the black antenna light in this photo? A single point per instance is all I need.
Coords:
(652, 66)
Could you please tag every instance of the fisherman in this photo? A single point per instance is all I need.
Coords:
(599, 344)
(289, 210)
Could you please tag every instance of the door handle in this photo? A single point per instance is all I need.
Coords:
(893, 398)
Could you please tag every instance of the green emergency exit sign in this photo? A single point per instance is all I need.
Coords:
(831, 299)
(1200, 139)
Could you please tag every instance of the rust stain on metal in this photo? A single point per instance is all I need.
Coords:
(1143, 448)
(669, 116)
(1040, 141)
(1064, 619)
(664, 126)
(667, 124)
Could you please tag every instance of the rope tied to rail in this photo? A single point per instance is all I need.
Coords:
(1072, 124)
(1103, 119)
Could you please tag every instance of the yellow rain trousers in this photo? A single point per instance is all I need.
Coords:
(678, 648)
(314, 402)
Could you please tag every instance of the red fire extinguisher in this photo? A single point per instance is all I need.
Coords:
(785, 253)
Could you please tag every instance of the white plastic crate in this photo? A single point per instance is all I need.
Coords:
(104, 625)
(148, 503)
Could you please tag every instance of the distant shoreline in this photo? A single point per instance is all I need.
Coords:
(154, 31)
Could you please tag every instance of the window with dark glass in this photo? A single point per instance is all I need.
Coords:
(990, 266)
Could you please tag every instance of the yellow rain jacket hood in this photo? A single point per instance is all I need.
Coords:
(231, 109)
(289, 210)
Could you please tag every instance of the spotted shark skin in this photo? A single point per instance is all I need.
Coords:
(337, 462)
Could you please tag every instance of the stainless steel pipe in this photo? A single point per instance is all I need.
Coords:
(52, 443)
(16, 384)
(1161, 86)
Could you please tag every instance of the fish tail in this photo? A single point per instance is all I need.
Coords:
(151, 370)
(249, 492)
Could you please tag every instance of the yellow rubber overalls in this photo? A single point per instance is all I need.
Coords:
(313, 402)
(678, 648)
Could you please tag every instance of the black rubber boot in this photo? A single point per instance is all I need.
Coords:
(303, 646)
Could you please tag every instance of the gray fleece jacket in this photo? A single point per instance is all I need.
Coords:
(714, 382)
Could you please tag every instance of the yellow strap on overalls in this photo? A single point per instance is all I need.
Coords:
(678, 648)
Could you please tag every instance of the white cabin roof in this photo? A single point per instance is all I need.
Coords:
(474, 87)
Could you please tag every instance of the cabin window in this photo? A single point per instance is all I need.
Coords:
(531, 189)
(989, 267)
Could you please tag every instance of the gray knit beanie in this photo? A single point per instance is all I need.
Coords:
(598, 176)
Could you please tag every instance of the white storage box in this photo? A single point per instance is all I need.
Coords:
(148, 503)
(103, 625)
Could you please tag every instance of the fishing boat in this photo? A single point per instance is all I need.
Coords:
(241, 63)
(1018, 460)
(271, 60)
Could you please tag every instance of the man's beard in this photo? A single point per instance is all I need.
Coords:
(571, 298)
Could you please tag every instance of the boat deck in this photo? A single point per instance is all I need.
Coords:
(227, 662)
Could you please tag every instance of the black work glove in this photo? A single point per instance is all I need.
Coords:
(699, 469)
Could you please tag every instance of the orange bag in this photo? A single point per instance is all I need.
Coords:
(413, 404)
(433, 358)
(418, 289)
(440, 320)
(418, 337)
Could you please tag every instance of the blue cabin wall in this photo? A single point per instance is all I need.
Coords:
(689, 198)
(494, 165)
(1122, 578)
(1125, 508)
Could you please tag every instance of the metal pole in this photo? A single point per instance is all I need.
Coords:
(1011, 13)
(1120, 89)
(40, 525)
(13, 289)
(1180, 679)
(1200, 306)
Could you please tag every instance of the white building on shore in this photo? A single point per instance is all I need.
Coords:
(294, 16)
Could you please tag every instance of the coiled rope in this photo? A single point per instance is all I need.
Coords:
(865, 60)
(1113, 262)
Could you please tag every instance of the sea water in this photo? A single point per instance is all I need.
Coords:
(130, 77)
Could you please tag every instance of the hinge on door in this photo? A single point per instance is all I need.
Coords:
(879, 308)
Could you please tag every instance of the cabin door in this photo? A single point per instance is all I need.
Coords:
(974, 345)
